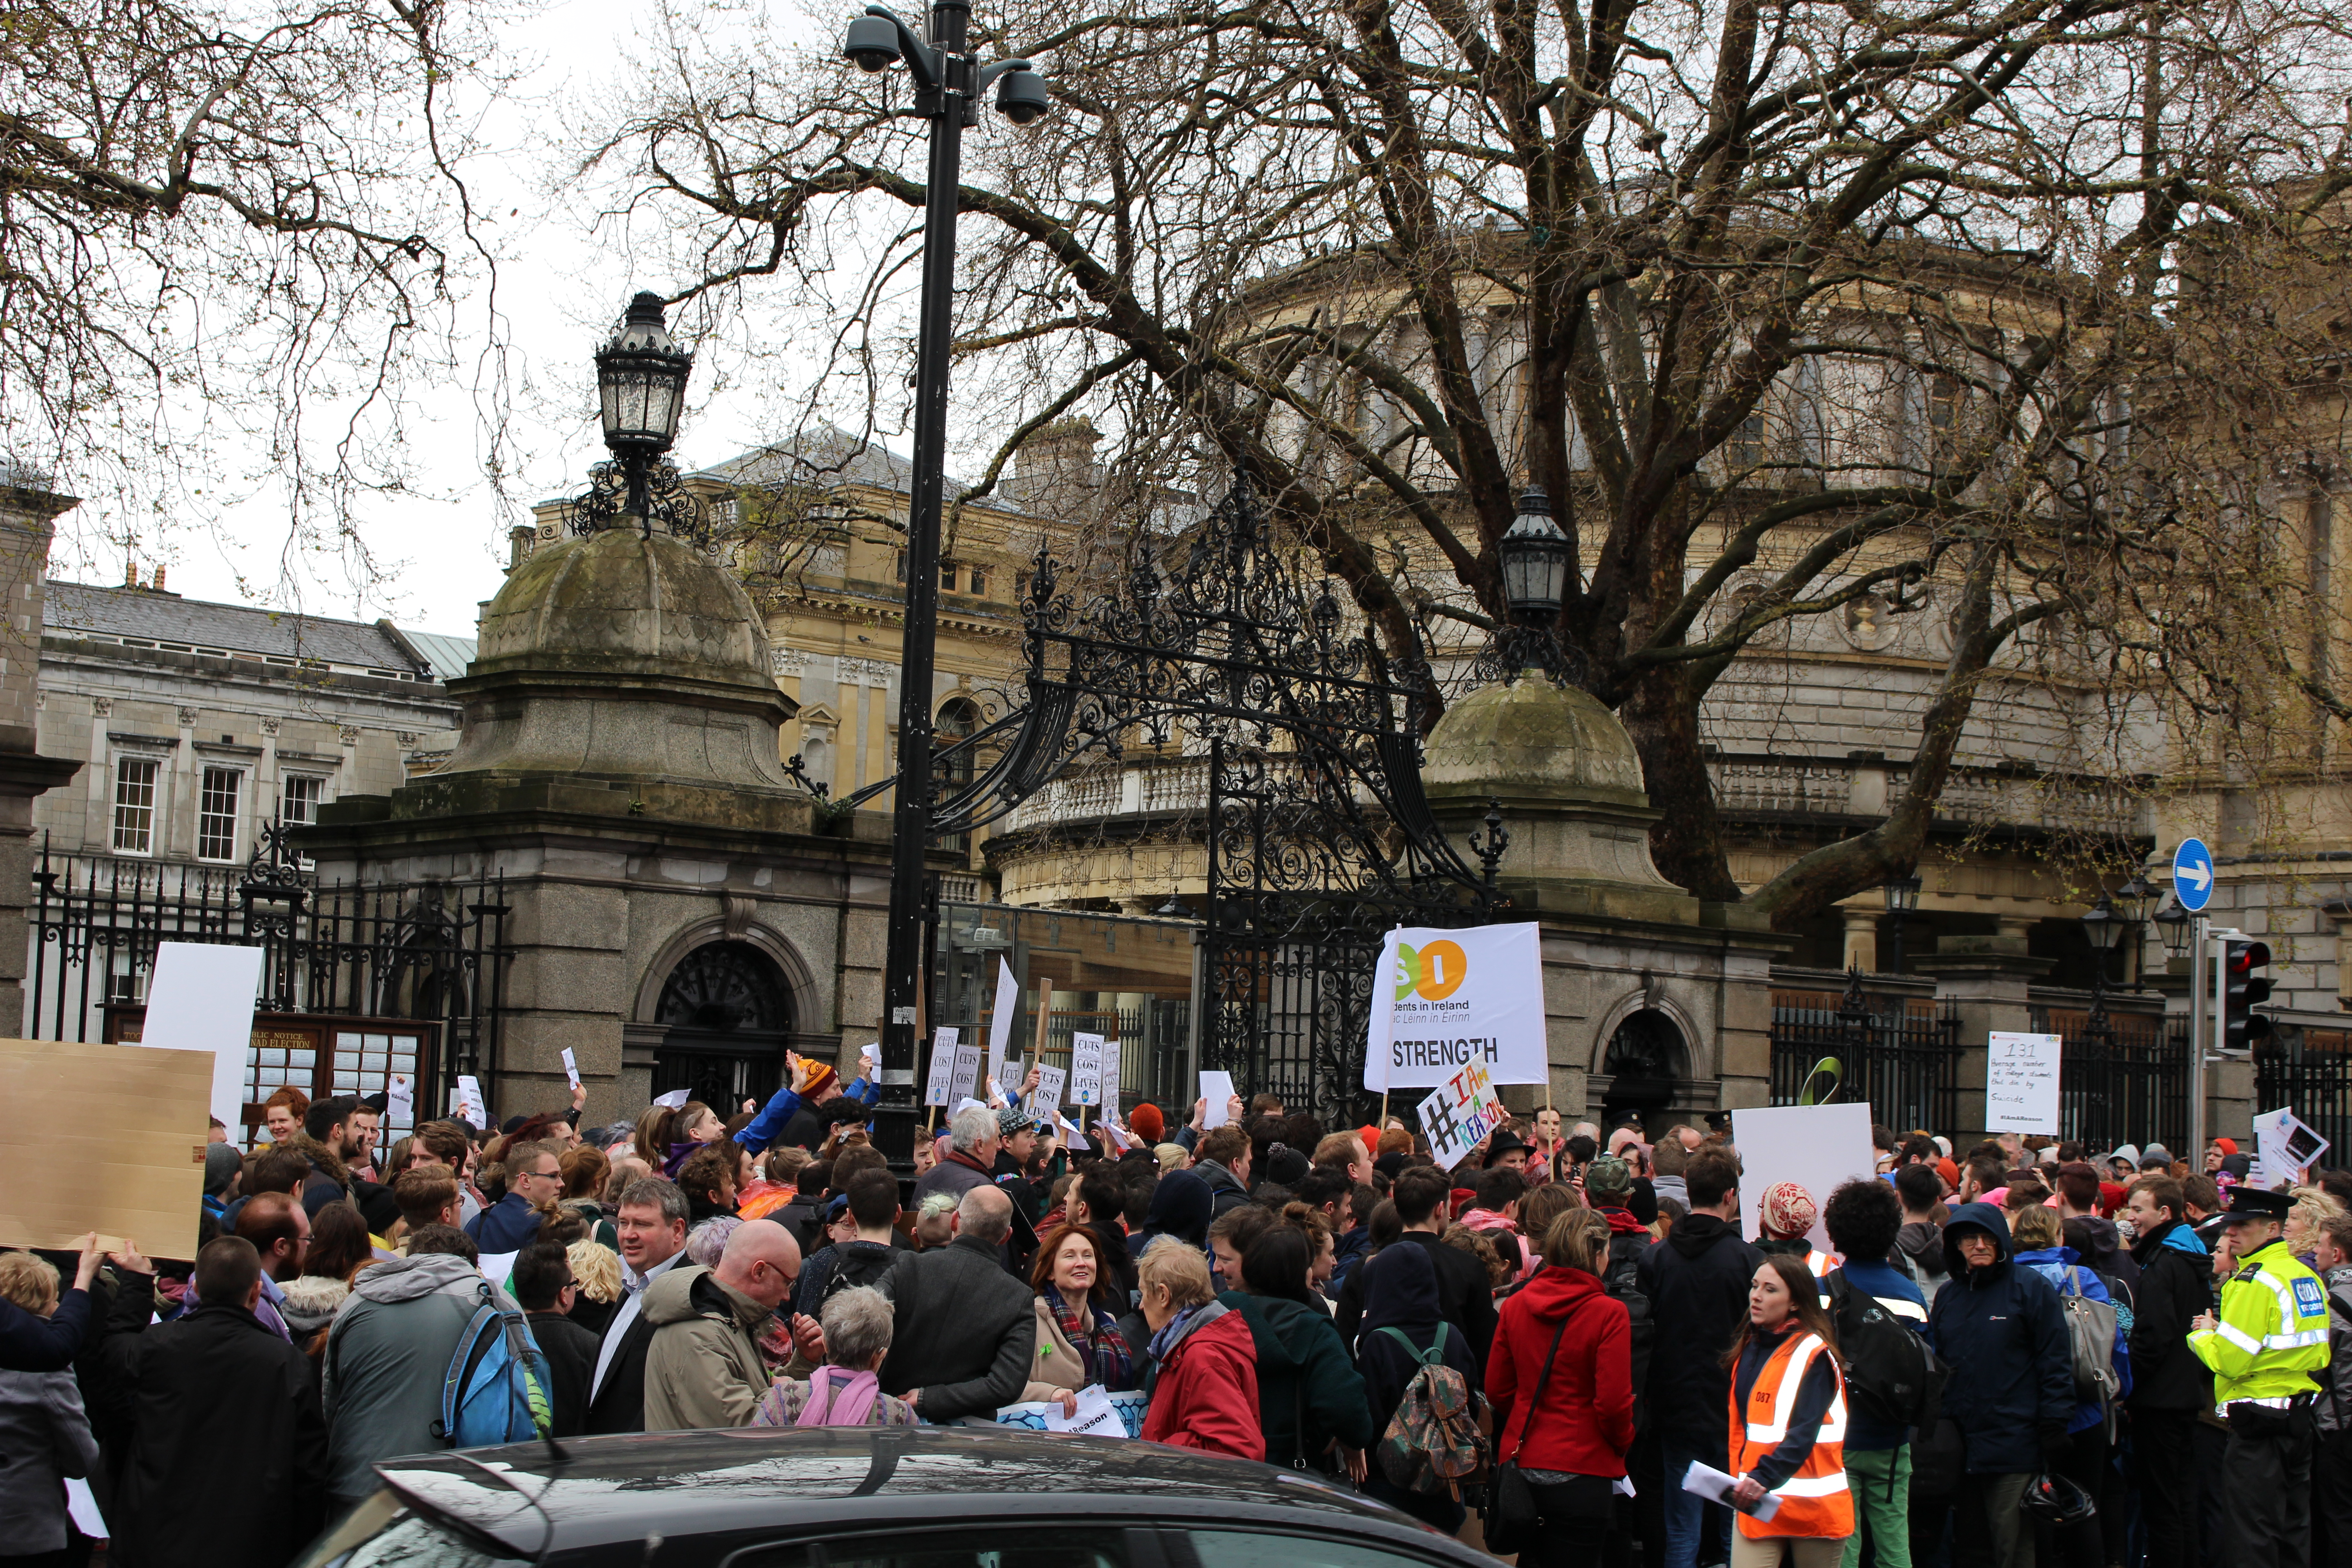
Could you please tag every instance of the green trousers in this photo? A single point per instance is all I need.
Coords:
(1881, 1481)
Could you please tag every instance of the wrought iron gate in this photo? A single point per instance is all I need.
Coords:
(1212, 644)
(432, 952)
(1898, 1055)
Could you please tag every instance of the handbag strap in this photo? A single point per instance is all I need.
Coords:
(1543, 1380)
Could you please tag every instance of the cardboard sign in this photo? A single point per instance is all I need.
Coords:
(999, 1022)
(2021, 1082)
(938, 1084)
(1217, 1089)
(1463, 1111)
(571, 1067)
(1442, 999)
(1049, 1096)
(1086, 1070)
(966, 1068)
(117, 1145)
(1819, 1147)
(201, 999)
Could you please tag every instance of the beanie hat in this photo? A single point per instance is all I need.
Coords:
(2227, 1145)
(1285, 1166)
(1789, 1210)
(1607, 1176)
(1146, 1122)
(1949, 1172)
(1013, 1120)
(222, 1163)
(819, 1079)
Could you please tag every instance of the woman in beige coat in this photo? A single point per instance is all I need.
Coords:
(1078, 1341)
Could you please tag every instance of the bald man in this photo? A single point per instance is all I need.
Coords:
(702, 1364)
(965, 1329)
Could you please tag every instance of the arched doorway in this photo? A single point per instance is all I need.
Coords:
(730, 1013)
(1644, 1068)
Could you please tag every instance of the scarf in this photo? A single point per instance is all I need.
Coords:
(1165, 1340)
(1095, 1337)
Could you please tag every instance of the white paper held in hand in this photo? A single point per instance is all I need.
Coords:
(570, 1067)
(1095, 1417)
(1714, 1485)
(1217, 1089)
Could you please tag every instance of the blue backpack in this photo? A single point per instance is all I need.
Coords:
(496, 1388)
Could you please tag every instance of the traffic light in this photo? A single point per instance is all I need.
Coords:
(2242, 990)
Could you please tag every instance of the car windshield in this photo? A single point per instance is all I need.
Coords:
(382, 1534)
(983, 1546)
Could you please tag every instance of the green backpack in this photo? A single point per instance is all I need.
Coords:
(1432, 1443)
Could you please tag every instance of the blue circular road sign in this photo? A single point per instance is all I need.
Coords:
(2193, 874)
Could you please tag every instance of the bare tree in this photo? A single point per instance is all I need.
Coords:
(221, 224)
(1994, 320)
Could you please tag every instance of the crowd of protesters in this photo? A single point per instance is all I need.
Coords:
(1579, 1350)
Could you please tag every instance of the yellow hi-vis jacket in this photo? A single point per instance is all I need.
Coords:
(2271, 1333)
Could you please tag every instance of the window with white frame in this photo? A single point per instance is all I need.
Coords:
(134, 804)
(298, 797)
(216, 814)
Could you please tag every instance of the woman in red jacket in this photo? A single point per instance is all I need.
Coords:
(1202, 1374)
(1568, 1423)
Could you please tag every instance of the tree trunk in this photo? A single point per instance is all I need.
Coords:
(1687, 841)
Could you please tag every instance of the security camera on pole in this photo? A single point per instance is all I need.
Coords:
(947, 87)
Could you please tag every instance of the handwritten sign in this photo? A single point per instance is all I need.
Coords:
(939, 1087)
(1460, 1112)
(1086, 1070)
(2021, 1082)
(471, 1105)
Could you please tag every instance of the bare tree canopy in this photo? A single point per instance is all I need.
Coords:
(221, 224)
(2004, 320)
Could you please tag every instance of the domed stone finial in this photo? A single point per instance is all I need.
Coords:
(1569, 781)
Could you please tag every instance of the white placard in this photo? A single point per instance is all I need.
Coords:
(673, 1100)
(81, 1506)
(1819, 1147)
(1086, 1070)
(1001, 1022)
(1443, 998)
(1110, 1077)
(571, 1067)
(938, 1087)
(2285, 1147)
(1464, 1109)
(400, 1102)
(966, 1084)
(470, 1102)
(2021, 1082)
(1047, 1098)
(201, 999)
(1217, 1089)
(1095, 1417)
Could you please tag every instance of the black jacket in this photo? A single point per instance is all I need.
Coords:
(1226, 1192)
(1464, 1296)
(966, 1331)
(1697, 1284)
(2174, 1286)
(804, 1217)
(28, 1344)
(2000, 1330)
(571, 1351)
(1401, 1285)
(228, 1452)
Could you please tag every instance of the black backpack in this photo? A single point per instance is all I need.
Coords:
(1621, 1279)
(1890, 1374)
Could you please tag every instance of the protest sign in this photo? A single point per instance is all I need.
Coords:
(966, 1084)
(2286, 1147)
(938, 1084)
(201, 999)
(1048, 1097)
(478, 1112)
(400, 1101)
(2021, 1082)
(1816, 1146)
(1443, 998)
(1001, 1022)
(1463, 1111)
(1217, 1089)
(1110, 1077)
(571, 1067)
(1086, 1070)
(117, 1145)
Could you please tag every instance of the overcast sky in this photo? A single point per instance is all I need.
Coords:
(558, 292)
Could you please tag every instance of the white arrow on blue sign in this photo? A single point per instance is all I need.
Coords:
(2193, 874)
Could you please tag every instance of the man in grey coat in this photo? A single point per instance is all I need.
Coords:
(966, 1329)
(389, 1352)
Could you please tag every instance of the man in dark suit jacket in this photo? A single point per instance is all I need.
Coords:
(652, 1231)
(228, 1452)
(966, 1329)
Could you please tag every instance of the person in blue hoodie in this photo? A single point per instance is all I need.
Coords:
(2012, 1393)
(2037, 1233)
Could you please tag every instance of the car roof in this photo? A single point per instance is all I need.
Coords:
(762, 1483)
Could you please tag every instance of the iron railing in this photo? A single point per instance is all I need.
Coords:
(1899, 1055)
(2123, 1076)
(425, 951)
(2309, 1071)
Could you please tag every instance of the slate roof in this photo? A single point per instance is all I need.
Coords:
(826, 453)
(235, 628)
(449, 655)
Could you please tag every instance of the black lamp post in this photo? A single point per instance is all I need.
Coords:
(947, 87)
(1533, 554)
(2172, 923)
(1902, 898)
(2105, 928)
(640, 387)
(2134, 900)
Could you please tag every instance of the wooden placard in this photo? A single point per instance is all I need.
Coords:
(103, 1138)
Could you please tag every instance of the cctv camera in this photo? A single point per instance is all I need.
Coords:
(1020, 97)
(871, 44)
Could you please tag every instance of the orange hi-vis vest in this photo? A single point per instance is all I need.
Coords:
(1814, 1501)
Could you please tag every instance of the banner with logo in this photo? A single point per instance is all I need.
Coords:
(1443, 999)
